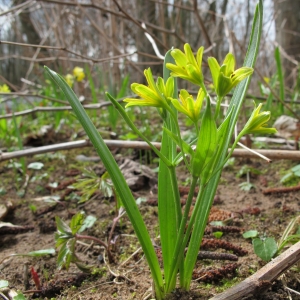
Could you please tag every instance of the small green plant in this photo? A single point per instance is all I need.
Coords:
(66, 237)
(292, 175)
(203, 158)
(4, 290)
(92, 183)
(266, 247)
(246, 170)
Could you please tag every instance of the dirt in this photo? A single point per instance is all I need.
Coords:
(129, 277)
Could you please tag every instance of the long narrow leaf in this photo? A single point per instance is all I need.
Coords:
(117, 179)
(280, 77)
(169, 210)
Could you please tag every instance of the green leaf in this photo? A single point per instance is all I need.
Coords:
(141, 200)
(287, 177)
(250, 234)
(265, 249)
(207, 141)
(214, 69)
(218, 234)
(246, 186)
(76, 222)
(281, 79)
(35, 166)
(217, 223)
(169, 208)
(43, 252)
(117, 179)
(296, 169)
(62, 226)
(66, 254)
(3, 284)
(19, 297)
(88, 222)
(186, 147)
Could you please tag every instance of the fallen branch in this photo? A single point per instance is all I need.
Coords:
(262, 279)
(281, 190)
(113, 144)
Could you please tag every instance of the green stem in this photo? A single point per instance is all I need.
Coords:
(176, 194)
(218, 106)
(122, 112)
(92, 238)
(202, 85)
(180, 246)
(188, 231)
(233, 147)
(180, 141)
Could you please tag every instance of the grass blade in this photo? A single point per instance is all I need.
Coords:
(280, 78)
(169, 211)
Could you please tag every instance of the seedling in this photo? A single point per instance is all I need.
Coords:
(92, 183)
(292, 175)
(66, 237)
(266, 247)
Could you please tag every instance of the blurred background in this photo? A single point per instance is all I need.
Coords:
(105, 46)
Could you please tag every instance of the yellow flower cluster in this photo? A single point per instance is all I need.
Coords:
(78, 75)
(4, 88)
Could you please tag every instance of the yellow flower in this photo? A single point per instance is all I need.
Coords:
(78, 73)
(225, 77)
(188, 106)
(4, 88)
(257, 122)
(152, 95)
(187, 66)
(69, 79)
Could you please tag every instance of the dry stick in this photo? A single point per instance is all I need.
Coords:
(281, 190)
(67, 50)
(19, 8)
(262, 279)
(138, 24)
(57, 108)
(55, 58)
(12, 86)
(113, 144)
(104, 9)
(13, 94)
(108, 39)
(38, 50)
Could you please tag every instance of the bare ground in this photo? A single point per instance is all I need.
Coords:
(269, 214)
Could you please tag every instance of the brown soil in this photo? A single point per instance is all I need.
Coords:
(269, 214)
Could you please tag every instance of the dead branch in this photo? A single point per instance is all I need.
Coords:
(93, 60)
(113, 144)
(201, 23)
(262, 279)
(281, 190)
(52, 109)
